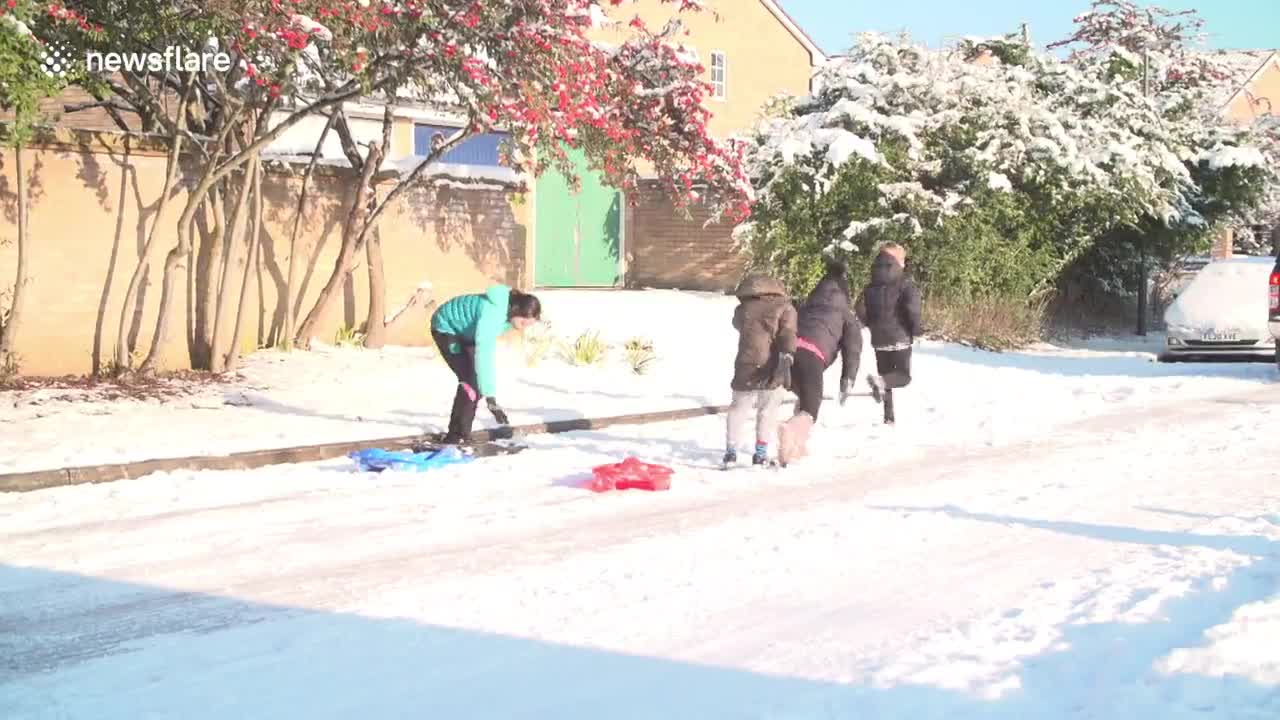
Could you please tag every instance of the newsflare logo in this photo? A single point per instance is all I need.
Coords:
(57, 60)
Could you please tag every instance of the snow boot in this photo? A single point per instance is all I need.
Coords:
(730, 459)
(761, 455)
(877, 387)
(793, 438)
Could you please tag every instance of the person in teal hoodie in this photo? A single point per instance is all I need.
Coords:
(466, 330)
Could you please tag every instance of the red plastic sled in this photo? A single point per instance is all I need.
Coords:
(630, 474)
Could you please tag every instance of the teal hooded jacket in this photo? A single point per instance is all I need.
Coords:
(478, 319)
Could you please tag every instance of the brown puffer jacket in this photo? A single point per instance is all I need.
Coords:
(766, 324)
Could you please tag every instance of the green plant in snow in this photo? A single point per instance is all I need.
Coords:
(640, 355)
(586, 349)
(348, 336)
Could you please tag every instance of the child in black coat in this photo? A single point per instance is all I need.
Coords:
(890, 306)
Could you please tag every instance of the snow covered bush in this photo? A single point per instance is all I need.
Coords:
(994, 174)
(1161, 53)
(1004, 169)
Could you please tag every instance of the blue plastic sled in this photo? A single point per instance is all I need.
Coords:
(376, 460)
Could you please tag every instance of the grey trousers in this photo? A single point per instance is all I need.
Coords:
(765, 403)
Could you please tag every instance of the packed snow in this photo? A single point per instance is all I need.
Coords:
(1119, 559)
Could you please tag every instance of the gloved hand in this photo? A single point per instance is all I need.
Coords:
(846, 389)
(782, 373)
(496, 410)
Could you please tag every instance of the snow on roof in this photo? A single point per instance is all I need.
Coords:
(1242, 66)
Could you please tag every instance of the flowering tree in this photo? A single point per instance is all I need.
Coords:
(525, 66)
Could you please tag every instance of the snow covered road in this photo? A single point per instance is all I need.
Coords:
(1124, 567)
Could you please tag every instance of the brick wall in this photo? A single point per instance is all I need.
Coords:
(93, 199)
(665, 250)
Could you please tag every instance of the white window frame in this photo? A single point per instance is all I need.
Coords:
(721, 91)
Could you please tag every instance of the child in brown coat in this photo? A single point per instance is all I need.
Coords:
(766, 323)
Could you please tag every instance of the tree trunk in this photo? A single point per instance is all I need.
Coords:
(209, 263)
(9, 329)
(290, 318)
(251, 261)
(214, 173)
(375, 327)
(346, 255)
(216, 354)
(173, 167)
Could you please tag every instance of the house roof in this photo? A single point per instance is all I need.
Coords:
(1245, 66)
(816, 55)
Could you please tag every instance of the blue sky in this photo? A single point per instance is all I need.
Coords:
(1233, 24)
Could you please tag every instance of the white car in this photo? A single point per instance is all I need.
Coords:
(1222, 312)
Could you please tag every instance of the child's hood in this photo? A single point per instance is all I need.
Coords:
(886, 269)
(499, 295)
(759, 286)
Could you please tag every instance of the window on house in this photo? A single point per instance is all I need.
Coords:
(479, 150)
(719, 77)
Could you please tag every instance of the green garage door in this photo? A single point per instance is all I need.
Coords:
(578, 240)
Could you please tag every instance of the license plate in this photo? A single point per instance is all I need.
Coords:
(1214, 336)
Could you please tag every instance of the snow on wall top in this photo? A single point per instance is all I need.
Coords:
(439, 172)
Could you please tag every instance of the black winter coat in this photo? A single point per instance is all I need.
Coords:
(826, 320)
(890, 306)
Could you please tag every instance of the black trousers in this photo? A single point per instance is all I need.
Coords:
(894, 367)
(806, 382)
(465, 400)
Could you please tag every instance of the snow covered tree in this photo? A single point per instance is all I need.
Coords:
(1003, 168)
(1162, 51)
(524, 66)
(997, 174)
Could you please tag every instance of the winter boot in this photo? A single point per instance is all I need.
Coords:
(730, 458)
(793, 438)
(761, 456)
(877, 387)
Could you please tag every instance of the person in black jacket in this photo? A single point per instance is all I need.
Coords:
(825, 326)
(890, 306)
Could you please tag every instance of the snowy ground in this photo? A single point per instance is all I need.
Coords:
(1053, 534)
(1125, 568)
(960, 396)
